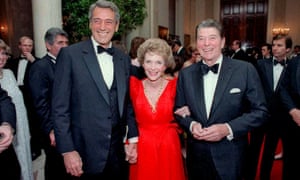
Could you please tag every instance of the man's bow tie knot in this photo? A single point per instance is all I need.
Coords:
(101, 49)
(205, 68)
(275, 62)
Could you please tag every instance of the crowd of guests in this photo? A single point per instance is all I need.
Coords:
(94, 110)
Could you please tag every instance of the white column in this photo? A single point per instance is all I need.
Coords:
(46, 14)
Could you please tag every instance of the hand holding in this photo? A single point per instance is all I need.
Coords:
(131, 152)
(73, 163)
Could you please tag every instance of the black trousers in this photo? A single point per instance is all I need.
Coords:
(54, 165)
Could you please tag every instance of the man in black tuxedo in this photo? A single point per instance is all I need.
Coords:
(40, 82)
(226, 101)
(21, 65)
(238, 53)
(290, 95)
(9, 166)
(178, 49)
(266, 51)
(91, 108)
(271, 72)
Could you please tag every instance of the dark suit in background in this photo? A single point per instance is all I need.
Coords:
(9, 166)
(240, 55)
(238, 105)
(290, 94)
(41, 78)
(272, 131)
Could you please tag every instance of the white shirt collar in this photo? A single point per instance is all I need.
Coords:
(95, 44)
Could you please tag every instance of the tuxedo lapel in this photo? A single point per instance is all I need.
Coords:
(268, 65)
(198, 91)
(280, 78)
(91, 61)
(223, 80)
(120, 77)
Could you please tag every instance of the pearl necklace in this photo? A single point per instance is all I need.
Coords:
(152, 94)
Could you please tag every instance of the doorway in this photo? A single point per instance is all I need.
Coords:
(245, 20)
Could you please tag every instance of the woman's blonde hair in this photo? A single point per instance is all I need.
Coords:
(159, 47)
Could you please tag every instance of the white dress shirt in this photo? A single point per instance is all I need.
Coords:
(210, 82)
(277, 70)
(105, 61)
(21, 71)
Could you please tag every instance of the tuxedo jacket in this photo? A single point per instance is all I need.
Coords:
(240, 55)
(81, 104)
(40, 82)
(238, 100)
(13, 64)
(290, 88)
(265, 70)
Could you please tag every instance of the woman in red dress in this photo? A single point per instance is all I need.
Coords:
(158, 149)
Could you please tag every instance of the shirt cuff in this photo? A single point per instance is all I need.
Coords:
(230, 136)
(191, 125)
(133, 140)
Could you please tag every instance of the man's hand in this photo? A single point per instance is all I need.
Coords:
(6, 136)
(197, 130)
(73, 163)
(131, 152)
(52, 138)
(183, 111)
(214, 133)
(295, 113)
(29, 56)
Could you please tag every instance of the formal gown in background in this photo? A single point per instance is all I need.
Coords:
(159, 151)
(21, 142)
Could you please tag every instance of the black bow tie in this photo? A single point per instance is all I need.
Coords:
(275, 62)
(205, 68)
(101, 49)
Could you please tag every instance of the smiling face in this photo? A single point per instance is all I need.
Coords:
(103, 25)
(154, 66)
(209, 44)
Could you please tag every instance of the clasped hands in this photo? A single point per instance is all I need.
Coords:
(212, 133)
(131, 152)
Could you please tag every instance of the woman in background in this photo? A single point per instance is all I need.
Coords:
(136, 68)
(21, 142)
